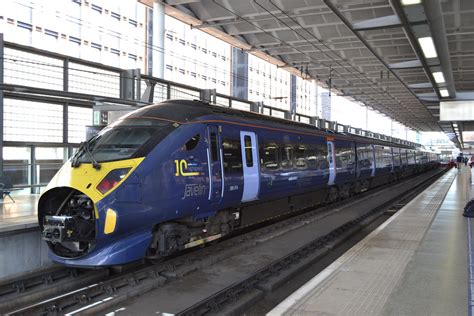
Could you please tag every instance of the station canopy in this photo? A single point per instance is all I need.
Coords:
(400, 57)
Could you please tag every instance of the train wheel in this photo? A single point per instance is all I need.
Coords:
(345, 191)
(357, 187)
(365, 185)
(333, 194)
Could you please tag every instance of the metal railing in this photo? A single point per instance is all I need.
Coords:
(31, 74)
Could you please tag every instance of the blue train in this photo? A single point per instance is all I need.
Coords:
(181, 173)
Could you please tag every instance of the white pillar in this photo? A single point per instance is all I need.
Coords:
(158, 44)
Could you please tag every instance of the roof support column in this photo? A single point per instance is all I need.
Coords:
(2, 61)
(156, 40)
(240, 68)
(326, 106)
(293, 95)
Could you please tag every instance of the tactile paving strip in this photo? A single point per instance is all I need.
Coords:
(360, 281)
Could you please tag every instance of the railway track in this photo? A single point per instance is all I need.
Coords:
(39, 285)
(90, 295)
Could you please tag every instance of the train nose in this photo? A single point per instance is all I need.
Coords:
(68, 221)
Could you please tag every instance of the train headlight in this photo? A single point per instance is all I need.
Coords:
(110, 221)
(112, 179)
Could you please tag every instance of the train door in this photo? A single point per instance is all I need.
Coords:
(214, 157)
(392, 153)
(250, 164)
(332, 162)
(373, 160)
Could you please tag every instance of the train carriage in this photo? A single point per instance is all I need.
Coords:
(174, 175)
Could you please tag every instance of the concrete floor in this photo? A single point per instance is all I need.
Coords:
(414, 264)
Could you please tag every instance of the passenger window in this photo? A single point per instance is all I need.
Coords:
(192, 143)
(316, 157)
(270, 156)
(248, 151)
(300, 157)
(232, 156)
(312, 158)
(287, 156)
(214, 147)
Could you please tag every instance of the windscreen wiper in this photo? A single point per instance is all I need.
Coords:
(84, 148)
(87, 150)
(75, 159)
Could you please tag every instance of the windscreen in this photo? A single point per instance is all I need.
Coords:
(124, 139)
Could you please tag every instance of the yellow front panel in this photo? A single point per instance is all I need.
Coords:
(85, 178)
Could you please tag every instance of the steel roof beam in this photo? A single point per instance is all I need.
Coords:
(377, 23)
(416, 63)
(422, 85)
(438, 32)
(370, 48)
(413, 41)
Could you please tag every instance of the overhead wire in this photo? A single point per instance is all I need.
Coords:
(357, 72)
(278, 39)
(240, 17)
(338, 58)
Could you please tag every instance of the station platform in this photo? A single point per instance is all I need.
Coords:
(416, 263)
(20, 214)
(21, 247)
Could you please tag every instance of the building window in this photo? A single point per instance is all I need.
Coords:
(75, 40)
(96, 8)
(51, 33)
(24, 25)
(115, 16)
(96, 46)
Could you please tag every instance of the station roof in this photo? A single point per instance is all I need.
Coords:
(368, 49)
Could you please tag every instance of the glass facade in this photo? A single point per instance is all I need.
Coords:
(268, 83)
(78, 119)
(28, 121)
(108, 32)
(114, 33)
(195, 58)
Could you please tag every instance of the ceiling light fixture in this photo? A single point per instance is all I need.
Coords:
(444, 93)
(410, 2)
(438, 77)
(427, 45)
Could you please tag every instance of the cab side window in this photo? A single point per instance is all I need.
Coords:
(192, 142)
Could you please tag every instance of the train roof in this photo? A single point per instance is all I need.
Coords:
(189, 111)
